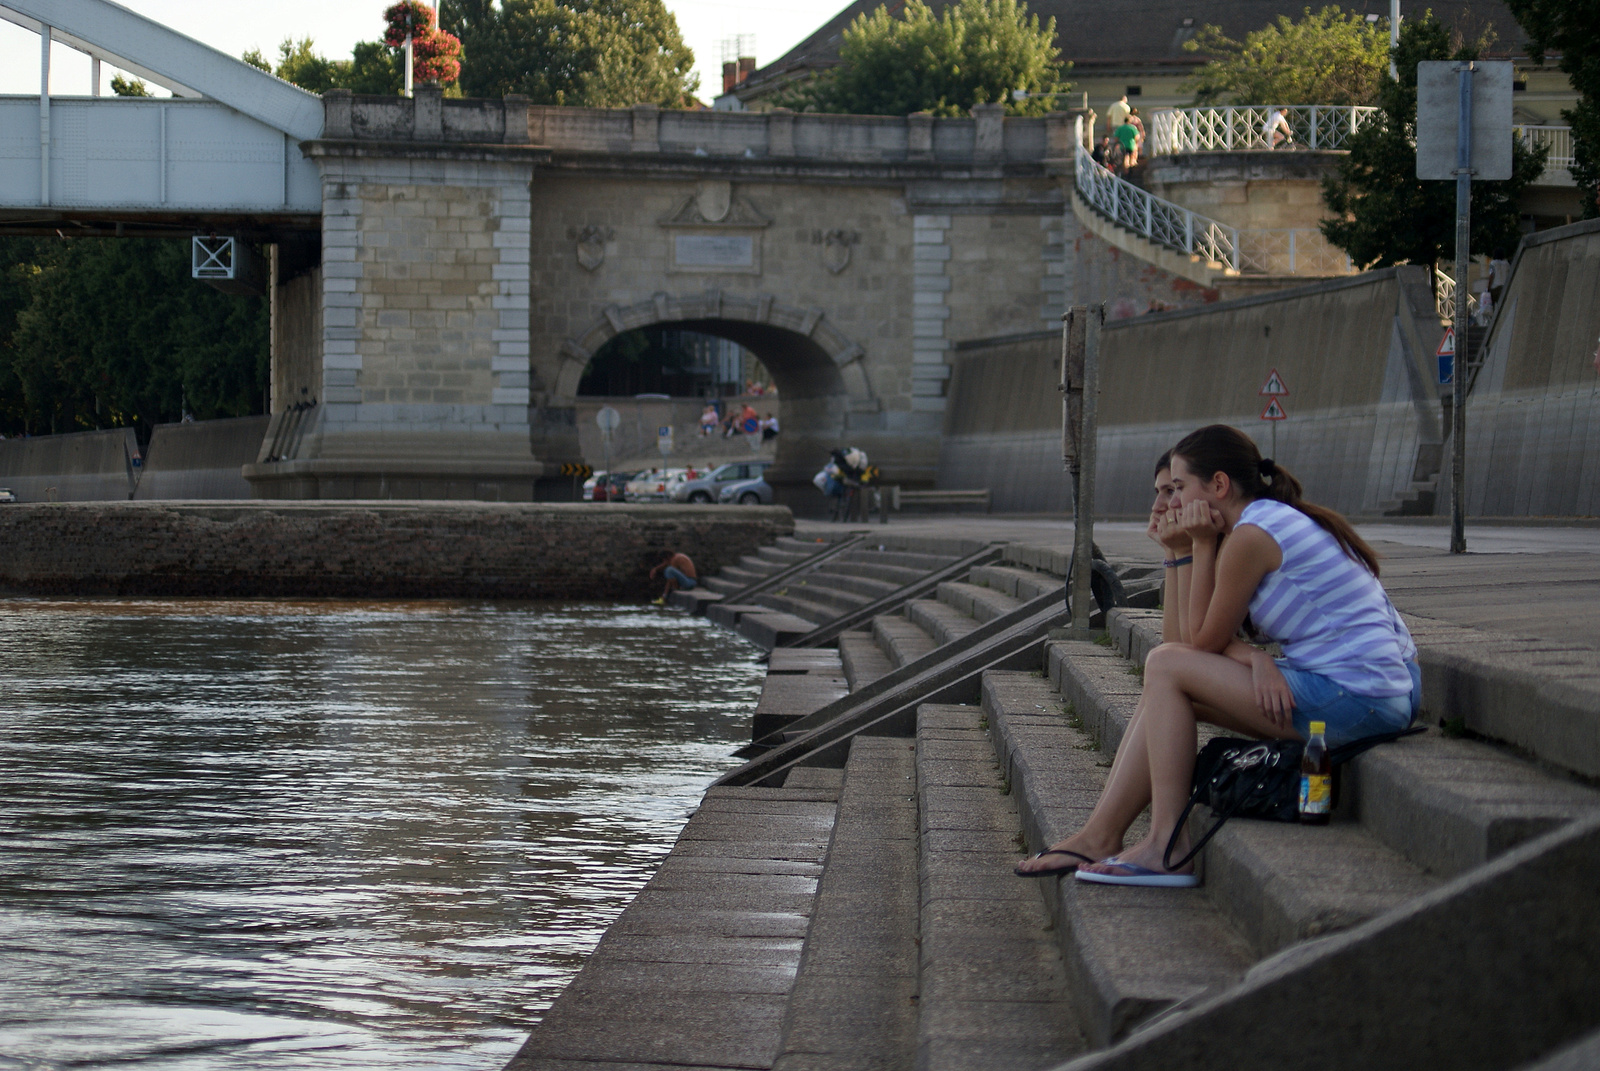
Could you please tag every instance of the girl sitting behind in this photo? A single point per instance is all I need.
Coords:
(1308, 582)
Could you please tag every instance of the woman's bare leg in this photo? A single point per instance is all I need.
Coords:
(1177, 678)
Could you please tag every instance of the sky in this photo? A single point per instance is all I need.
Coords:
(336, 25)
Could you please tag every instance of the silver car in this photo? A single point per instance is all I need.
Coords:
(709, 488)
(756, 492)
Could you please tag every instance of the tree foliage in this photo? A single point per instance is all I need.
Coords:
(1386, 215)
(598, 53)
(973, 52)
(1327, 57)
(1572, 28)
(113, 332)
(129, 87)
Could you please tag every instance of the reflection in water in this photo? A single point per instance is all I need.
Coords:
(316, 835)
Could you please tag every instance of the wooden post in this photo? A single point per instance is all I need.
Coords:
(1080, 382)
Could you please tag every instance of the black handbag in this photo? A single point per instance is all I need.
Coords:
(1256, 779)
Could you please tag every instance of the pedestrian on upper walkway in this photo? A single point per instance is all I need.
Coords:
(1117, 114)
(1127, 136)
(709, 419)
(679, 571)
(1252, 546)
(1276, 130)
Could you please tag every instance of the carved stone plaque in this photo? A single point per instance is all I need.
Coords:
(715, 252)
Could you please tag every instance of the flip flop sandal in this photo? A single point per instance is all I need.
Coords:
(1069, 868)
(1138, 875)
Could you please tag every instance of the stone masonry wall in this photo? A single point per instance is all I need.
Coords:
(405, 550)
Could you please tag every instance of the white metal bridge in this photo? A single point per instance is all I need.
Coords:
(224, 147)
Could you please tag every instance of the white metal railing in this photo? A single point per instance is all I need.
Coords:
(1558, 165)
(1153, 218)
(1241, 128)
(1444, 296)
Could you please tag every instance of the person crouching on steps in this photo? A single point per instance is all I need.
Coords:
(679, 570)
(1308, 582)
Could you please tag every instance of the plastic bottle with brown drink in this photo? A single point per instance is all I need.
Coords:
(1316, 778)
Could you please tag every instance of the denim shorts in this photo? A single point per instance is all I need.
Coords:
(1348, 716)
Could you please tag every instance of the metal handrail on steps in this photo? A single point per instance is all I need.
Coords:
(1245, 127)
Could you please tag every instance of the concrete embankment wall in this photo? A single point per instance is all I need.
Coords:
(359, 550)
(1533, 419)
(85, 466)
(1350, 351)
(202, 459)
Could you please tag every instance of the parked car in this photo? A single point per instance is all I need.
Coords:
(708, 488)
(591, 483)
(6, 495)
(756, 492)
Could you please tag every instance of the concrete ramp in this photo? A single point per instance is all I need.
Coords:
(85, 466)
(202, 459)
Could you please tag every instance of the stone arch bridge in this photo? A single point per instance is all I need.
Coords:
(442, 270)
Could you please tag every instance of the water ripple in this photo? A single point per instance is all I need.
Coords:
(319, 835)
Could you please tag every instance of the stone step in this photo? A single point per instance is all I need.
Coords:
(864, 661)
(896, 575)
(801, 546)
(922, 563)
(1130, 953)
(743, 575)
(817, 588)
(786, 697)
(854, 1001)
(977, 602)
(694, 601)
(1022, 584)
(768, 628)
(783, 558)
(868, 589)
(900, 639)
(727, 614)
(993, 985)
(939, 620)
(721, 585)
(698, 970)
(1448, 805)
(800, 603)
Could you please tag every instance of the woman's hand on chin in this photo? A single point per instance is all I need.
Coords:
(1170, 535)
(1200, 522)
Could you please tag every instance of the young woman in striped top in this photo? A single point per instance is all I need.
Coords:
(1308, 582)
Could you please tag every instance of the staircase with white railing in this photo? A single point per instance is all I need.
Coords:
(1210, 244)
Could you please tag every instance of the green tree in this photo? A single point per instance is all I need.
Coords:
(129, 87)
(598, 53)
(1384, 214)
(113, 332)
(1327, 57)
(972, 52)
(1572, 29)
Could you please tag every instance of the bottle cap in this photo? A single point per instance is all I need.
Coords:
(1318, 728)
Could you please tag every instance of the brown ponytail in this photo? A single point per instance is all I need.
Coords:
(1220, 448)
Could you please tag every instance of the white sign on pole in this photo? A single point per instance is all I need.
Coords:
(1273, 388)
(1447, 356)
(1274, 411)
(664, 439)
(1438, 117)
(608, 419)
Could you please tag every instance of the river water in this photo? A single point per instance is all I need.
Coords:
(322, 835)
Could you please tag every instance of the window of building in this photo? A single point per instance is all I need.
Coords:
(1133, 91)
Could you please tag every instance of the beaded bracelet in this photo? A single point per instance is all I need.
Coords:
(1173, 563)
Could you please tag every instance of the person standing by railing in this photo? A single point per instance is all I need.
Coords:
(1117, 114)
(1277, 129)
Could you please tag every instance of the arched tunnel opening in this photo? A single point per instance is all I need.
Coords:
(653, 369)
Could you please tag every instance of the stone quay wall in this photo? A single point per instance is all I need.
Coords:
(367, 550)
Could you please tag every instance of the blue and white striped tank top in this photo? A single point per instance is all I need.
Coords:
(1325, 610)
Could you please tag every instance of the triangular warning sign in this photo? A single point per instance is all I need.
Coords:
(1274, 386)
(1447, 345)
(1274, 411)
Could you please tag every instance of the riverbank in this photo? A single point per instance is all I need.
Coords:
(477, 550)
(968, 732)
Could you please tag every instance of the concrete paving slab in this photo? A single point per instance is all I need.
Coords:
(738, 1030)
(662, 920)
